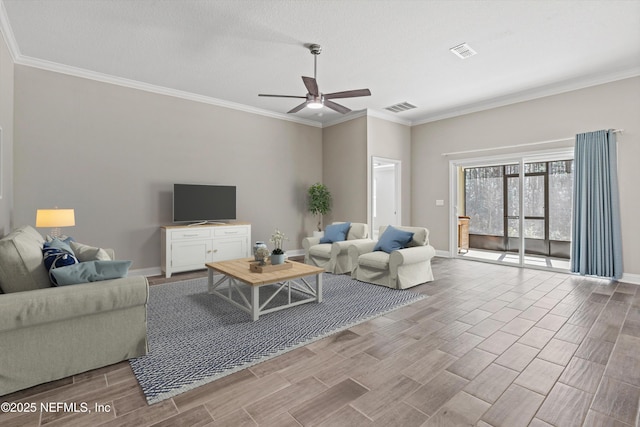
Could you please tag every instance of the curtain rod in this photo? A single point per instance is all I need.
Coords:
(518, 145)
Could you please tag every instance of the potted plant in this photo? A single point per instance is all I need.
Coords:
(319, 203)
(277, 255)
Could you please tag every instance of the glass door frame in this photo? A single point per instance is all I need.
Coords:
(566, 153)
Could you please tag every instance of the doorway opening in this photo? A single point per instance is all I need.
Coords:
(385, 193)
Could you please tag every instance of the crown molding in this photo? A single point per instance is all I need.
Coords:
(388, 117)
(531, 94)
(7, 32)
(134, 84)
(346, 118)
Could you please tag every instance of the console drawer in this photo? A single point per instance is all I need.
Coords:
(230, 231)
(190, 234)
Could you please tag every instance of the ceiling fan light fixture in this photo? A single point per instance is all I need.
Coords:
(315, 104)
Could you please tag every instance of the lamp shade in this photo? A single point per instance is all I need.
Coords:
(55, 218)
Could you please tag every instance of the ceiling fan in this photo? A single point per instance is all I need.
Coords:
(315, 99)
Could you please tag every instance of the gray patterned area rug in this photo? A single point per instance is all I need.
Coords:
(196, 338)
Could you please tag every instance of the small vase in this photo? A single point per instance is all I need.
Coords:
(277, 259)
(318, 234)
(257, 246)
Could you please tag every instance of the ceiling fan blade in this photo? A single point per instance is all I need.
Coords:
(348, 94)
(298, 108)
(337, 107)
(282, 96)
(311, 85)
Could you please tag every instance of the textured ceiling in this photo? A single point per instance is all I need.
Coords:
(230, 51)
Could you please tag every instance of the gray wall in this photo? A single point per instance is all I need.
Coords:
(6, 129)
(344, 165)
(613, 105)
(112, 153)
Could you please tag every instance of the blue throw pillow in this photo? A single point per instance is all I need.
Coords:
(56, 258)
(90, 271)
(64, 245)
(393, 239)
(336, 232)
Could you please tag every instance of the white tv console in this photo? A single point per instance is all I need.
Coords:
(188, 248)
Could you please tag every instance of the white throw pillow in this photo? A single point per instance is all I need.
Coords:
(89, 253)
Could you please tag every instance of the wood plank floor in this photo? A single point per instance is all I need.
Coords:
(491, 346)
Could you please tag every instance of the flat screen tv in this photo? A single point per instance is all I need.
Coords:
(203, 203)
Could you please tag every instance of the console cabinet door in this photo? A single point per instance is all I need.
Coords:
(191, 253)
(230, 248)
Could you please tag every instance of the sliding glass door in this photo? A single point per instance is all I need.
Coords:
(519, 211)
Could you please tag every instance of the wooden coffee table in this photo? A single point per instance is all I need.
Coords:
(236, 274)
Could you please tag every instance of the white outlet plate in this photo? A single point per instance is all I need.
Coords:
(439, 202)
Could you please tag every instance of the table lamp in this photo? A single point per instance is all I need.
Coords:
(55, 218)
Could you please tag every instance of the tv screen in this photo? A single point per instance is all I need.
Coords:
(196, 203)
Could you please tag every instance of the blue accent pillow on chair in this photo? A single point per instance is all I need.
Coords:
(336, 232)
(393, 239)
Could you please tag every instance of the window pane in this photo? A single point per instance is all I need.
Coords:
(560, 199)
(534, 228)
(513, 201)
(514, 227)
(512, 169)
(484, 200)
(535, 167)
(534, 195)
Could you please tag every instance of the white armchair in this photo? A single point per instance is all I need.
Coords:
(399, 269)
(334, 257)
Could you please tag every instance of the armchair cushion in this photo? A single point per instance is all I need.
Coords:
(393, 239)
(377, 259)
(322, 249)
(336, 232)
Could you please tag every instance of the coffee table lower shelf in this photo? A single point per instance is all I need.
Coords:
(236, 274)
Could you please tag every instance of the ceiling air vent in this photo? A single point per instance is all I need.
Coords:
(463, 51)
(399, 108)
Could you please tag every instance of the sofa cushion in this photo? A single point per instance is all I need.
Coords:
(21, 263)
(89, 253)
(393, 239)
(90, 271)
(336, 232)
(378, 259)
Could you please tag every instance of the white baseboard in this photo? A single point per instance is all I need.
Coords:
(157, 271)
(295, 252)
(151, 271)
(630, 278)
(443, 254)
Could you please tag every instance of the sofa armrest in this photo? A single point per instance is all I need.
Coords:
(307, 242)
(30, 308)
(411, 255)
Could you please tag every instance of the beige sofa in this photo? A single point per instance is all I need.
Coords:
(48, 333)
(334, 257)
(400, 269)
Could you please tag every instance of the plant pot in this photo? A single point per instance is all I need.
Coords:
(277, 259)
(319, 234)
